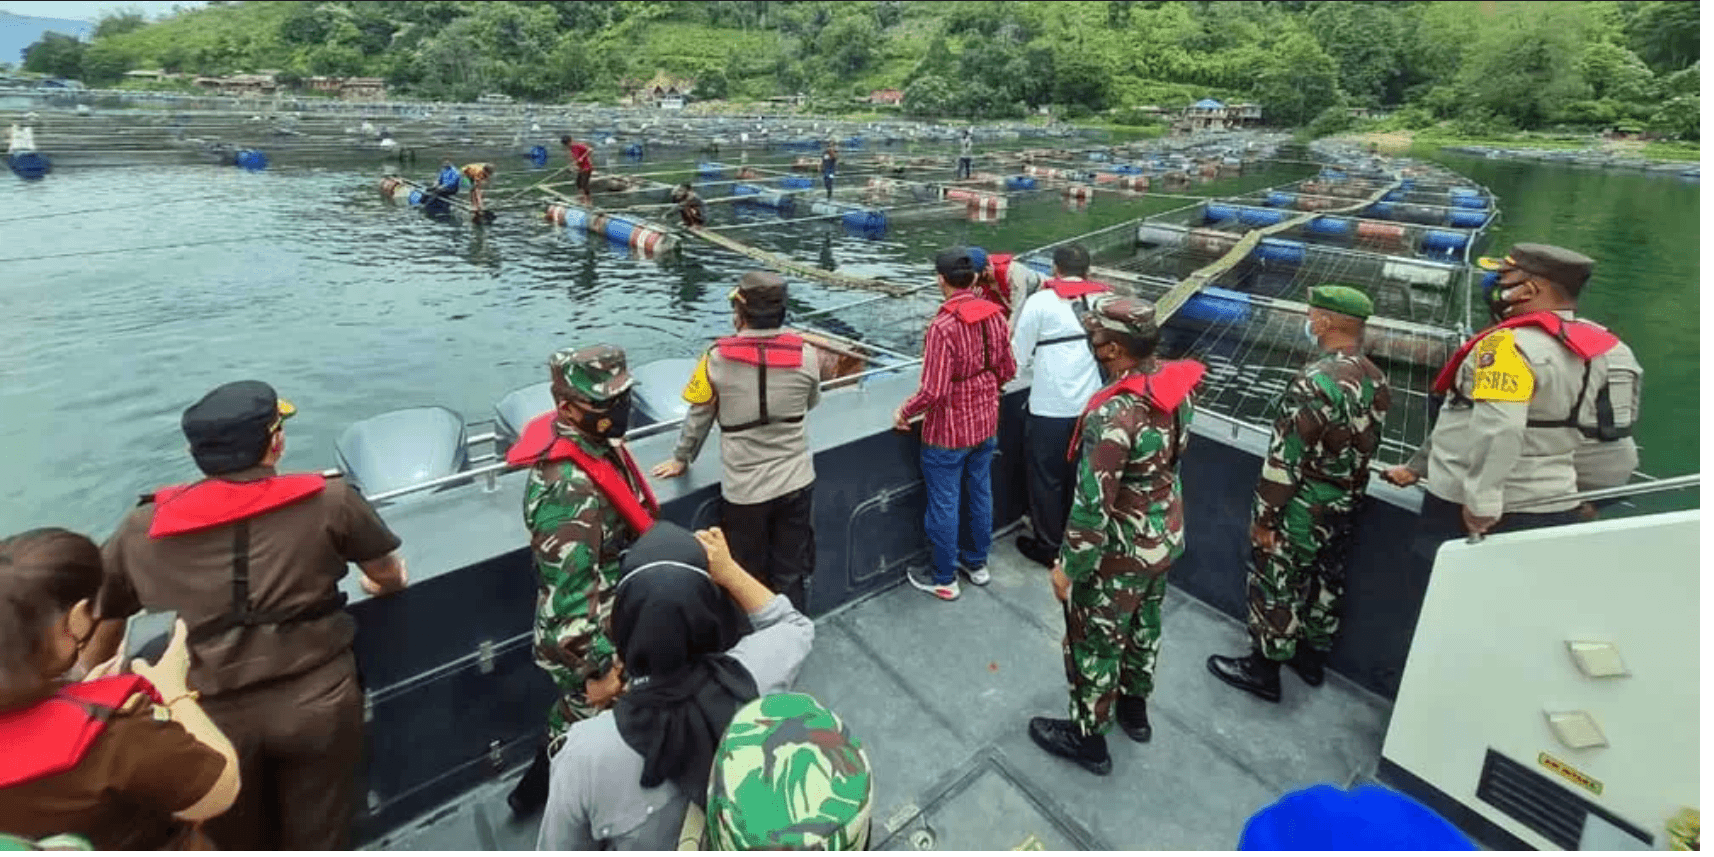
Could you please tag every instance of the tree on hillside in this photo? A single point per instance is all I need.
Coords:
(1525, 64)
(1667, 34)
(57, 54)
(118, 24)
(1365, 41)
(1298, 81)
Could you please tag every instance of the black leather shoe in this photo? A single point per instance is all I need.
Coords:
(1133, 717)
(1253, 672)
(1309, 664)
(1062, 739)
(531, 793)
(1037, 551)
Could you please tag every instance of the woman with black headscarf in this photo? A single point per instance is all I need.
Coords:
(698, 638)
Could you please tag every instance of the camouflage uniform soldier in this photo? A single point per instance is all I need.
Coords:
(1125, 529)
(1306, 502)
(789, 775)
(584, 503)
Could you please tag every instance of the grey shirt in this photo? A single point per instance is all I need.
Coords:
(764, 461)
(595, 800)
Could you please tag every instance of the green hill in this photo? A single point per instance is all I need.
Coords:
(1485, 67)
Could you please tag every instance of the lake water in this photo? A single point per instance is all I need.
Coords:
(125, 294)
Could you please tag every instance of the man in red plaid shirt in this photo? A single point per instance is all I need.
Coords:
(967, 356)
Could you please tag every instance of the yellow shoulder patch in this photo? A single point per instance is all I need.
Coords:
(699, 391)
(1502, 374)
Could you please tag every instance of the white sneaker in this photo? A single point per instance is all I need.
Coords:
(978, 575)
(943, 591)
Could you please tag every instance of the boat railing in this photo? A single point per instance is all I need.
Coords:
(1649, 485)
(488, 467)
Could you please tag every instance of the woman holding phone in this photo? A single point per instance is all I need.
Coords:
(126, 760)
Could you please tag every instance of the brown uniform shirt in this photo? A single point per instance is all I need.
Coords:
(298, 554)
(123, 793)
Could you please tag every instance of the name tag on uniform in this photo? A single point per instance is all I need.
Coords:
(1502, 374)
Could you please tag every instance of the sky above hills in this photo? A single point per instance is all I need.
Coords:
(89, 10)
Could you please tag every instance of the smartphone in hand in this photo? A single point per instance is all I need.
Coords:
(146, 636)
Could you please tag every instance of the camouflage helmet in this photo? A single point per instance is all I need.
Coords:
(789, 775)
(594, 374)
(1120, 314)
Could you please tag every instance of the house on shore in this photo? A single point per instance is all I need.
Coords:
(1211, 115)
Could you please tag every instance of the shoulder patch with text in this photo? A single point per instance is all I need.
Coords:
(698, 391)
(1502, 374)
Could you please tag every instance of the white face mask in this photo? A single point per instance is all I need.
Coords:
(1309, 333)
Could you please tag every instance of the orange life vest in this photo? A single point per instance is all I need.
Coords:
(540, 444)
(1073, 289)
(1585, 340)
(973, 310)
(780, 351)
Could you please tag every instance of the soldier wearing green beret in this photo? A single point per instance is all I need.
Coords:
(585, 502)
(1312, 483)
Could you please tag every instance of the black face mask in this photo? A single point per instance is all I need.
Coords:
(1100, 365)
(611, 420)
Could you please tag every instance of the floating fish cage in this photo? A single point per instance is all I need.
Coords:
(1247, 326)
(1233, 217)
(1403, 211)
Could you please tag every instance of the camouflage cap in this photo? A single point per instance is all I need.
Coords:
(1345, 300)
(1120, 314)
(789, 775)
(595, 374)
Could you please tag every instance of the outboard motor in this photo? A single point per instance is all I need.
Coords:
(516, 410)
(658, 396)
(403, 448)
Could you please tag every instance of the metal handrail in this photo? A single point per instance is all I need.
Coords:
(498, 468)
(1636, 489)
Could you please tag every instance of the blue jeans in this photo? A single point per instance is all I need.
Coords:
(951, 476)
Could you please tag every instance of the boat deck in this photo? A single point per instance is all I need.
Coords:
(941, 694)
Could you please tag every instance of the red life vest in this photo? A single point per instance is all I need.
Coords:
(1000, 290)
(1166, 389)
(541, 444)
(1585, 340)
(216, 502)
(52, 736)
(780, 351)
(1073, 289)
(970, 309)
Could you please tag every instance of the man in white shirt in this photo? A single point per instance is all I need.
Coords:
(1048, 337)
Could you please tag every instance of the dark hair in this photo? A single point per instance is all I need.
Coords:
(1072, 260)
(43, 574)
(565, 140)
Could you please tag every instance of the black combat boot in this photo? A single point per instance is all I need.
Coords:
(1309, 664)
(1036, 550)
(1133, 717)
(531, 793)
(1254, 672)
(1063, 739)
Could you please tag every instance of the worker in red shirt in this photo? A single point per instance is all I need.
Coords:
(582, 157)
(967, 356)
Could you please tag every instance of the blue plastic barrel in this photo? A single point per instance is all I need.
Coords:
(710, 171)
(1440, 241)
(1329, 226)
(634, 151)
(1381, 210)
(853, 142)
(1280, 199)
(1215, 212)
(1464, 218)
(251, 159)
(1020, 183)
(1124, 170)
(1281, 251)
(576, 220)
(29, 165)
(619, 229)
(797, 182)
(1338, 175)
(1408, 184)
(1394, 195)
(538, 156)
(1474, 202)
(742, 189)
(1260, 216)
(416, 197)
(1216, 306)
